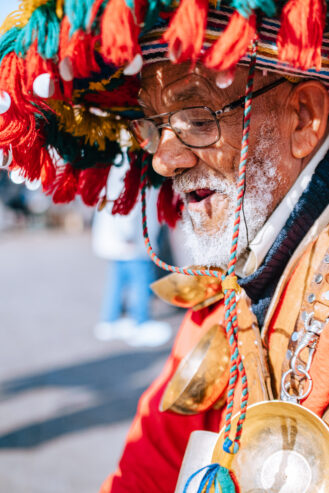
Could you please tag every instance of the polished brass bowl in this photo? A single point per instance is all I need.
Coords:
(188, 291)
(201, 377)
(284, 449)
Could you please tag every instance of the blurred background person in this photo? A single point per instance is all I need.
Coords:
(126, 306)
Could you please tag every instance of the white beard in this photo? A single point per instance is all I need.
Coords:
(213, 249)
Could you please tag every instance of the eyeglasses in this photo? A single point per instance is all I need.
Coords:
(195, 126)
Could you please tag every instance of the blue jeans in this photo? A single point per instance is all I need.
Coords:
(133, 278)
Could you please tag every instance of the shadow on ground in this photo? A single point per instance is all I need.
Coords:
(112, 382)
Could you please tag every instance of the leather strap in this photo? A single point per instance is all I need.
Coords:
(315, 304)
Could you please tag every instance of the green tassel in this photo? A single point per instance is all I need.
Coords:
(44, 26)
(8, 41)
(245, 7)
(78, 12)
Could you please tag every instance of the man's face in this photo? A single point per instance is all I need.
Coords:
(207, 177)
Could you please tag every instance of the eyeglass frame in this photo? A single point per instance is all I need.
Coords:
(216, 114)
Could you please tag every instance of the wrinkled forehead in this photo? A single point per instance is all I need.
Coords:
(181, 82)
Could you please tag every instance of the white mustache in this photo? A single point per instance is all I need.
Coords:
(189, 181)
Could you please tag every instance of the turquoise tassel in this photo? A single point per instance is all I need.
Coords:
(78, 12)
(43, 26)
(7, 42)
(154, 8)
(245, 7)
(216, 476)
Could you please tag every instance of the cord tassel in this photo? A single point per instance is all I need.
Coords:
(300, 36)
(186, 30)
(233, 43)
(214, 476)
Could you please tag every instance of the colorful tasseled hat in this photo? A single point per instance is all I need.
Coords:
(69, 77)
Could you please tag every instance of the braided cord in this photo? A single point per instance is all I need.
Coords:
(160, 263)
(237, 367)
(231, 325)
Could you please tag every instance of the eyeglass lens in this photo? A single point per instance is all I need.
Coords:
(146, 134)
(195, 127)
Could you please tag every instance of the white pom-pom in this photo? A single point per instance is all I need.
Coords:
(135, 66)
(44, 86)
(6, 157)
(65, 68)
(5, 102)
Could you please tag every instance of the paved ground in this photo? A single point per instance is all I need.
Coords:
(66, 400)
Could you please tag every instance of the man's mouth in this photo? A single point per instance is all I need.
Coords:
(198, 195)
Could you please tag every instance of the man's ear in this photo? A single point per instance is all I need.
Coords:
(310, 102)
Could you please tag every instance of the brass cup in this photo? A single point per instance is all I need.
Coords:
(201, 377)
(284, 448)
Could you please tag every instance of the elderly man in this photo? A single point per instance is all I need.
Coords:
(246, 152)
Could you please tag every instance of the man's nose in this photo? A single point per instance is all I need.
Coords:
(172, 155)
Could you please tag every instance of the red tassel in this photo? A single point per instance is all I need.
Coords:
(233, 43)
(186, 30)
(27, 158)
(169, 205)
(48, 171)
(300, 36)
(66, 184)
(91, 183)
(35, 65)
(119, 33)
(128, 197)
(94, 11)
(17, 125)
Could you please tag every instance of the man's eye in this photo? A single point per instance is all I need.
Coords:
(202, 125)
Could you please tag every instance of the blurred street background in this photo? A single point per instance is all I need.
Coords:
(66, 399)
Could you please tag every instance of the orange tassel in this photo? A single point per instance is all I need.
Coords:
(91, 183)
(233, 43)
(66, 184)
(300, 36)
(186, 30)
(169, 205)
(119, 34)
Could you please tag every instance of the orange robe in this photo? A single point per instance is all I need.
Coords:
(156, 441)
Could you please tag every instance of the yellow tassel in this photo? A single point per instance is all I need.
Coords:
(19, 18)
